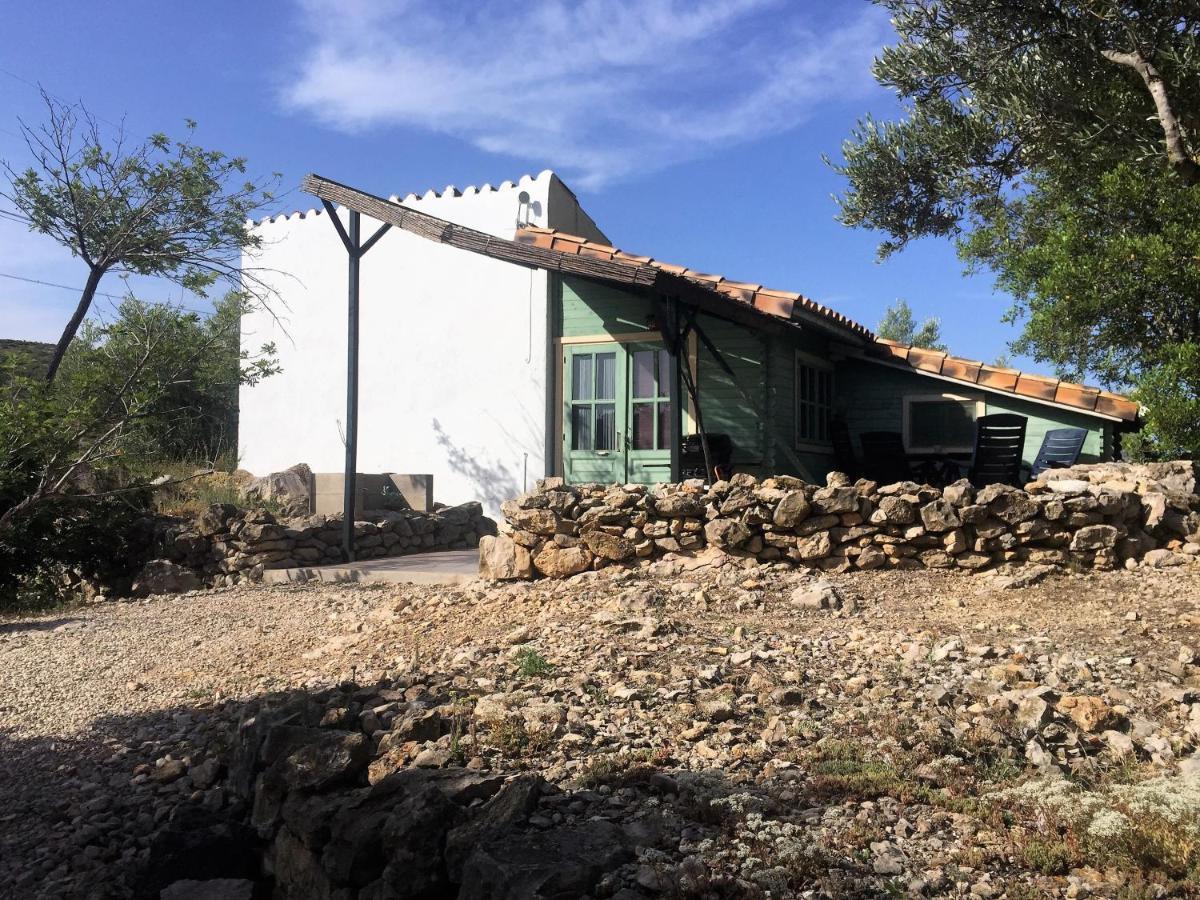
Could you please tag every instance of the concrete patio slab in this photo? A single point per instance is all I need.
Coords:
(448, 567)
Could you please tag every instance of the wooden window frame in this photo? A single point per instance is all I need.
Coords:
(909, 399)
(810, 361)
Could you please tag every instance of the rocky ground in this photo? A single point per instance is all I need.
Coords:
(724, 732)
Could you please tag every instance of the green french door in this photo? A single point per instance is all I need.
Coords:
(617, 413)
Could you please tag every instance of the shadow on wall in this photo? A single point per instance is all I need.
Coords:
(493, 485)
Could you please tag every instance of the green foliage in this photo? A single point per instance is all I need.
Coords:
(34, 355)
(899, 324)
(1107, 282)
(163, 208)
(191, 367)
(1056, 141)
(76, 456)
(531, 664)
(47, 554)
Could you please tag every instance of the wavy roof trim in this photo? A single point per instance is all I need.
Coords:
(413, 197)
(783, 303)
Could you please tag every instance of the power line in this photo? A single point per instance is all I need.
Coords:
(67, 287)
(40, 89)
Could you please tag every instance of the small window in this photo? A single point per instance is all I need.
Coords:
(814, 400)
(940, 423)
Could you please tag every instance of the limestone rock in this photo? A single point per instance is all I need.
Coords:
(612, 547)
(566, 861)
(819, 595)
(1090, 714)
(290, 490)
(939, 516)
(1094, 537)
(554, 561)
(210, 889)
(792, 509)
(678, 506)
(161, 576)
(896, 511)
(503, 559)
(726, 533)
(537, 521)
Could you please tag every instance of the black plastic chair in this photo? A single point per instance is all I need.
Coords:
(1060, 448)
(720, 451)
(999, 442)
(883, 458)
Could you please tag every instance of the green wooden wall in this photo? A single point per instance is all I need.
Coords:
(722, 405)
(871, 398)
(588, 308)
(1097, 446)
(867, 395)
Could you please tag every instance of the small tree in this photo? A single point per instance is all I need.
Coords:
(126, 392)
(898, 324)
(197, 368)
(160, 208)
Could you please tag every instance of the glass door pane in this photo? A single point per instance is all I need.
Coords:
(606, 376)
(643, 426)
(581, 377)
(643, 374)
(581, 427)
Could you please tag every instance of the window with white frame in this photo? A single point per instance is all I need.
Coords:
(814, 400)
(940, 423)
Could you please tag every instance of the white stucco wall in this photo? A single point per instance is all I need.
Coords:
(452, 349)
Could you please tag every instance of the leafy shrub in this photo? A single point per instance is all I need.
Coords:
(44, 556)
(531, 664)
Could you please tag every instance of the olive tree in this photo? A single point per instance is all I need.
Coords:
(1058, 142)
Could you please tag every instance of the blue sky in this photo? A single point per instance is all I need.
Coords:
(692, 132)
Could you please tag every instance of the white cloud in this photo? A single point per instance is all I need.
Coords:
(599, 89)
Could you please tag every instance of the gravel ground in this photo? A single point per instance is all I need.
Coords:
(113, 716)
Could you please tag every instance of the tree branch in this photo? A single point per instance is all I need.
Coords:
(1177, 150)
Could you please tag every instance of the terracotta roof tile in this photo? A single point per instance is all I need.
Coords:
(961, 369)
(1013, 381)
(1076, 395)
(782, 304)
(596, 250)
(1116, 405)
(996, 377)
(926, 360)
(1037, 386)
(563, 246)
(669, 267)
(785, 305)
(775, 303)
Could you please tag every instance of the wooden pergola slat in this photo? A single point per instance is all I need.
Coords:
(464, 238)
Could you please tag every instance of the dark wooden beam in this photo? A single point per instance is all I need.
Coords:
(443, 232)
(635, 277)
(350, 475)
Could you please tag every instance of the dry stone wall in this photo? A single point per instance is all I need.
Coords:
(227, 544)
(1097, 516)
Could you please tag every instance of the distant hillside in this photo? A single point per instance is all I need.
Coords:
(36, 351)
